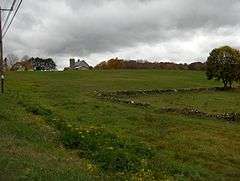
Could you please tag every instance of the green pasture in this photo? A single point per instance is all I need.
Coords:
(53, 127)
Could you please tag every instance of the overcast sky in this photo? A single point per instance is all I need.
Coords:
(96, 30)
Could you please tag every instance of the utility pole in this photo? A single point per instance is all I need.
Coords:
(1, 54)
(1, 50)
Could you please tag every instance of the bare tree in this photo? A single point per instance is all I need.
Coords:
(25, 58)
(11, 60)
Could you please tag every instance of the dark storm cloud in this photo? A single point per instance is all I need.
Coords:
(86, 27)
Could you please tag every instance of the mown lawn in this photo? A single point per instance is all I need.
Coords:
(53, 127)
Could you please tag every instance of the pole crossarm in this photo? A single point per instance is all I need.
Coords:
(6, 9)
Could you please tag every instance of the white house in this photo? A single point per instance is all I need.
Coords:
(79, 65)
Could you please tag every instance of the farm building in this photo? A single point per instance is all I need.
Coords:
(79, 65)
(22, 66)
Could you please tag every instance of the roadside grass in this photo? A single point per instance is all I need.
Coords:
(103, 148)
(30, 149)
(51, 108)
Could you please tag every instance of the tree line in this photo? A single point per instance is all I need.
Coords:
(223, 64)
(13, 63)
(116, 63)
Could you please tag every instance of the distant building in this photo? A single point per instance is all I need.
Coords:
(79, 65)
(22, 66)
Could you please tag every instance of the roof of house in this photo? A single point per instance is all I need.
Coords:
(81, 64)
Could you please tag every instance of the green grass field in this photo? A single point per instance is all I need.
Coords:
(53, 127)
(212, 102)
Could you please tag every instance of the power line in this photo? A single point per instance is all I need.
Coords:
(15, 13)
(2, 35)
(9, 14)
(18, 6)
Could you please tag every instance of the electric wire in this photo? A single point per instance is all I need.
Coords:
(9, 14)
(14, 15)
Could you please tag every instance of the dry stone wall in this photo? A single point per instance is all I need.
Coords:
(117, 97)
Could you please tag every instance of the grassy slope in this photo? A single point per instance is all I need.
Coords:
(30, 150)
(186, 147)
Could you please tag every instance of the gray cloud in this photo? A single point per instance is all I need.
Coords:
(102, 28)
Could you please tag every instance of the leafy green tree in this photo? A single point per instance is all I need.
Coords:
(223, 64)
